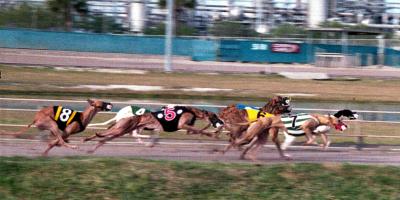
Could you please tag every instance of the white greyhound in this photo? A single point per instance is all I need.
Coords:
(127, 111)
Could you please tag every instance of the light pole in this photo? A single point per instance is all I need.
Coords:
(168, 36)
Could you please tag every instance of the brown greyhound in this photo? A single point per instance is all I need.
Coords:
(237, 118)
(259, 131)
(63, 122)
(168, 119)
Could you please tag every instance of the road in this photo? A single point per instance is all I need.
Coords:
(203, 151)
(154, 62)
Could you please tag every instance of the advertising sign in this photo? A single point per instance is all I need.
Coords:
(285, 47)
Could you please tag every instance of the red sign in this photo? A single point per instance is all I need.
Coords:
(285, 47)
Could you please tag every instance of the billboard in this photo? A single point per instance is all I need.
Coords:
(285, 47)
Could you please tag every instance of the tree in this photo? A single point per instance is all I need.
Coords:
(232, 29)
(27, 16)
(66, 8)
(181, 30)
(287, 30)
(101, 24)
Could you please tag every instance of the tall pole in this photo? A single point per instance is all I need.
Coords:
(381, 50)
(168, 36)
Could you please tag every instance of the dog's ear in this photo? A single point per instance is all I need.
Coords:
(90, 101)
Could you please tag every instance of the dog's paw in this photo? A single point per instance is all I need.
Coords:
(287, 157)
(90, 151)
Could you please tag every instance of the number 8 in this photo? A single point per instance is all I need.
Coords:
(65, 115)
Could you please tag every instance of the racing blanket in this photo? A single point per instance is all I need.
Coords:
(169, 117)
(253, 113)
(293, 123)
(65, 116)
(136, 110)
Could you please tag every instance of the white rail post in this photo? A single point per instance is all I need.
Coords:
(357, 131)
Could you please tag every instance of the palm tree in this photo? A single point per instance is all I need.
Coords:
(179, 7)
(66, 8)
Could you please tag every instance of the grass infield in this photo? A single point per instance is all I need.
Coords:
(127, 178)
(49, 82)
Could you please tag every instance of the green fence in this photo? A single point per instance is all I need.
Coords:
(241, 50)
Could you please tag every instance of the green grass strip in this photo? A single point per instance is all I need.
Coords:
(128, 178)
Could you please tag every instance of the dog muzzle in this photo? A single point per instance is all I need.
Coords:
(216, 122)
(341, 127)
(107, 106)
(355, 116)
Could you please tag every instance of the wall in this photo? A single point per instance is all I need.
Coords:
(17, 38)
(199, 49)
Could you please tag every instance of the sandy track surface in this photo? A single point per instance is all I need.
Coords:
(203, 151)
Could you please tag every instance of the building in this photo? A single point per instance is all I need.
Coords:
(262, 15)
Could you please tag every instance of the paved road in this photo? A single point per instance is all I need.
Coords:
(203, 151)
(135, 61)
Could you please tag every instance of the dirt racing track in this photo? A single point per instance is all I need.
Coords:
(203, 151)
(188, 150)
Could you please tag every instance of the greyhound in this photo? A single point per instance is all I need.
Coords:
(298, 124)
(258, 132)
(127, 111)
(63, 122)
(168, 119)
(237, 118)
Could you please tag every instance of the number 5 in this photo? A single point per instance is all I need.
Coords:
(169, 114)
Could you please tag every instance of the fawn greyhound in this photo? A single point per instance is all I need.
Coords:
(63, 122)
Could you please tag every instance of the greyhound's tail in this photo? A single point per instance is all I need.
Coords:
(123, 126)
(23, 130)
(108, 122)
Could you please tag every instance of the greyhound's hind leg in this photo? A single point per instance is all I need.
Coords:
(50, 146)
(253, 141)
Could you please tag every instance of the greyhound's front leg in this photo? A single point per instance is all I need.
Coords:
(218, 131)
(50, 146)
(195, 130)
(154, 138)
(275, 139)
(325, 140)
(55, 131)
(309, 136)
(289, 139)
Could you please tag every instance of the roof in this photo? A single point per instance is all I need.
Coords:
(348, 31)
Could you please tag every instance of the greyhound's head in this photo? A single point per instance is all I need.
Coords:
(337, 123)
(346, 113)
(100, 105)
(213, 118)
(277, 105)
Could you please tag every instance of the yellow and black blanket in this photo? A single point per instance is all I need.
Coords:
(253, 113)
(65, 116)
